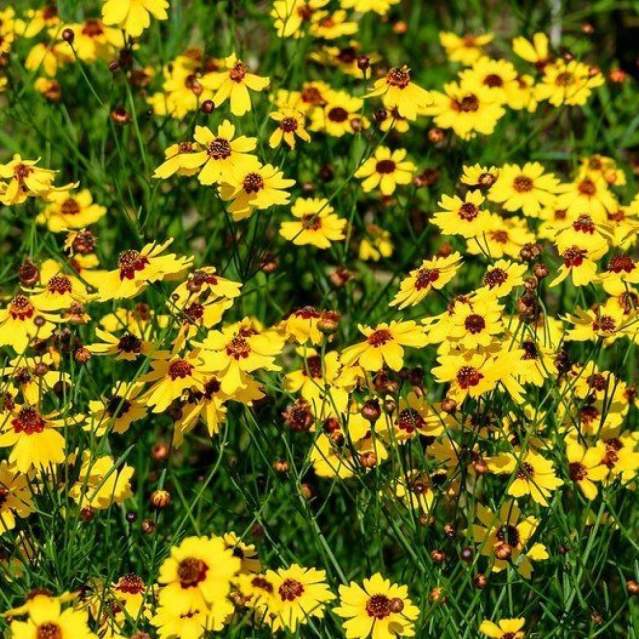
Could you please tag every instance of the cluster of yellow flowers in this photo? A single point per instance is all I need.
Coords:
(524, 234)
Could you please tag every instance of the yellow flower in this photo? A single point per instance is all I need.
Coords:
(339, 116)
(35, 20)
(527, 188)
(48, 58)
(47, 619)
(330, 26)
(466, 109)
(317, 224)
(66, 211)
(233, 84)
(290, 16)
(364, 6)
(93, 40)
(462, 217)
(465, 49)
(375, 244)
(621, 270)
(606, 322)
(26, 180)
(198, 571)
(101, 483)
(535, 51)
(299, 594)
(478, 176)
(183, 158)
(172, 375)
(399, 92)
(432, 274)
(377, 608)
(567, 83)
(16, 497)
(238, 350)
(22, 320)
(504, 628)
(34, 439)
(134, 16)
(504, 536)
(291, 123)
(137, 269)
(534, 475)
(179, 621)
(501, 278)
(502, 237)
(585, 466)
(259, 188)
(579, 263)
(498, 76)
(118, 411)
(384, 345)
(385, 170)
(58, 291)
(588, 194)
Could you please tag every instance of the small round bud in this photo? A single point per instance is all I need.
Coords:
(540, 270)
(450, 531)
(480, 467)
(41, 369)
(396, 605)
(436, 595)
(87, 514)
(82, 355)
(207, 107)
(587, 28)
(380, 115)
(307, 491)
(632, 587)
(326, 173)
(119, 115)
(503, 552)
(467, 554)
(449, 405)
(371, 410)
(328, 323)
(480, 581)
(131, 516)
(363, 63)
(530, 283)
(148, 526)
(400, 27)
(438, 556)
(368, 459)
(160, 499)
(436, 135)
(28, 273)
(280, 466)
(160, 451)
(68, 35)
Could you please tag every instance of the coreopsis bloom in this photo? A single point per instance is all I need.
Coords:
(259, 188)
(137, 269)
(579, 264)
(501, 278)
(534, 475)
(475, 325)
(525, 188)
(462, 217)
(385, 169)
(22, 320)
(238, 350)
(583, 231)
(233, 84)
(128, 346)
(16, 499)
(316, 224)
(198, 570)
(291, 123)
(134, 16)
(465, 49)
(33, 21)
(46, 619)
(58, 290)
(339, 115)
(380, 7)
(302, 325)
(534, 51)
(330, 26)
(375, 244)
(116, 412)
(384, 345)
(432, 274)
(171, 375)
(498, 76)
(621, 271)
(7, 30)
(290, 17)
(48, 58)
(93, 40)
(504, 628)
(66, 211)
(620, 457)
(206, 282)
(415, 416)
(184, 158)
(101, 483)
(377, 608)
(399, 92)
(501, 237)
(504, 536)
(586, 195)
(567, 82)
(223, 154)
(600, 166)
(34, 438)
(467, 109)
(300, 594)
(25, 180)
(585, 466)
(478, 176)
(191, 621)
